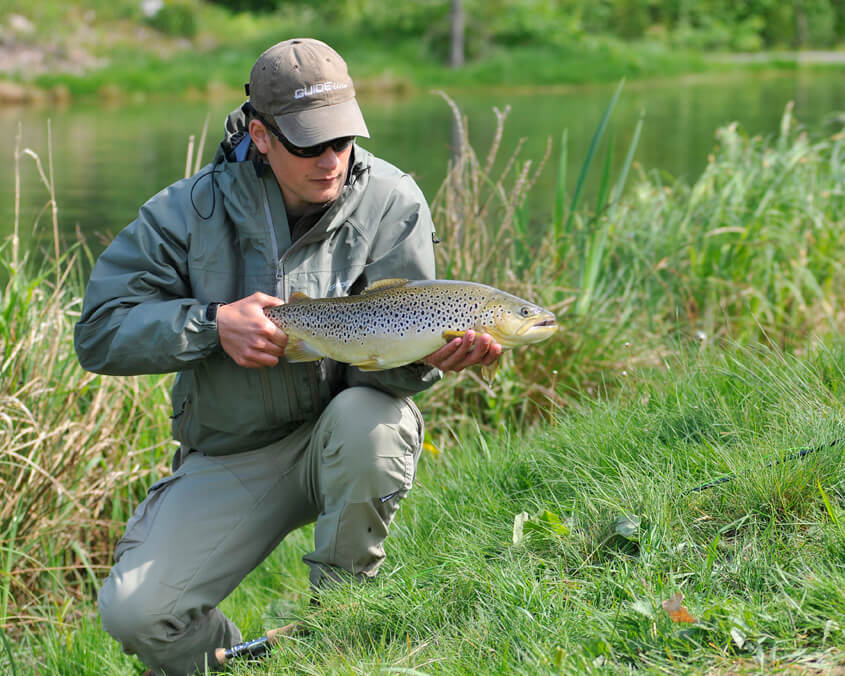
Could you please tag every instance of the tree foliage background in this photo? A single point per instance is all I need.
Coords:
(745, 25)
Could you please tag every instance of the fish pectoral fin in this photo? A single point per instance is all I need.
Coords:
(489, 372)
(298, 296)
(372, 364)
(297, 350)
(448, 335)
(383, 284)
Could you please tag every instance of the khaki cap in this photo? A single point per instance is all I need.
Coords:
(305, 86)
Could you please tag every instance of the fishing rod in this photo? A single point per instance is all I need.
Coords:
(257, 647)
(792, 456)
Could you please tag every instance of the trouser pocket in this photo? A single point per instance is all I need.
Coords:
(139, 525)
(368, 445)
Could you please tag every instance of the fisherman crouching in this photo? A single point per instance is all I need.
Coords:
(289, 204)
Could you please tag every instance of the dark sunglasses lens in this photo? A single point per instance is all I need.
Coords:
(309, 151)
(342, 143)
(338, 145)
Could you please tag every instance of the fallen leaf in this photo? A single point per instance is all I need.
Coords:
(628, 526)
(643, 607)
(738, 637)
(553, 522)
(676, 611)
(545, 523)
(518, 525)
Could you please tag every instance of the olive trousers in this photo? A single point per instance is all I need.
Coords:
(202, 529)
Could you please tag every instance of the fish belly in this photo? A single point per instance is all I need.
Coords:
(369, 353)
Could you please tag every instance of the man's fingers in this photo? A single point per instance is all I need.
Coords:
(248, 335)
(257, 360)
(262, 353)
(494, 351)
(279, 340)
(469, 350)
(265, 300)
(449, 357)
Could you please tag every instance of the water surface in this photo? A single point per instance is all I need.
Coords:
(108, 159)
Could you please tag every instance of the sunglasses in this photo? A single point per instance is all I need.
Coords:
(336, 144)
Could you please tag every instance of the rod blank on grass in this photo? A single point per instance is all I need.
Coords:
(792, 456)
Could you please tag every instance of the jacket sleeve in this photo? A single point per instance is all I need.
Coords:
(138, 315)
(403, 247)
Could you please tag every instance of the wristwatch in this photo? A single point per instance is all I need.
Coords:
(211, 311)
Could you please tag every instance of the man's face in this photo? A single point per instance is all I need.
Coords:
(305, 181)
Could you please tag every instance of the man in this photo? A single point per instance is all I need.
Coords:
(290, 203)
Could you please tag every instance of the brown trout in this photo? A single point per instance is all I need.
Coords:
(395, 322)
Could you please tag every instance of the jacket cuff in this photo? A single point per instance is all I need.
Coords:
(209, 321)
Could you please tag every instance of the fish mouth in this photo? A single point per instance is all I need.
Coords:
(544, 324)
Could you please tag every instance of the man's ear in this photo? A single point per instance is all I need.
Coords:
(260, 135)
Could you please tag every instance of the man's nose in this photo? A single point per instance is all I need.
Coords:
(329, 159)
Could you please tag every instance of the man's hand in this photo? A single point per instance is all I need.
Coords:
(470, 350)
(247, 335)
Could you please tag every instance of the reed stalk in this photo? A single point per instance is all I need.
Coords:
(66, 436)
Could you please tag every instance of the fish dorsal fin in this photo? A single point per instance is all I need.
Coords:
(298, 297)
(383, 284)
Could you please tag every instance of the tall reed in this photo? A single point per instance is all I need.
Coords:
(488, 235)
(77, 449)
(751, 250)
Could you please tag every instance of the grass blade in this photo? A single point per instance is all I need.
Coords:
(560, 191)
(626, 166)
(588, 159)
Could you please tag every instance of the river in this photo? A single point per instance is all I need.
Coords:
(107, 159)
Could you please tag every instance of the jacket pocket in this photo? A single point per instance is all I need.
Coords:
(179, 421)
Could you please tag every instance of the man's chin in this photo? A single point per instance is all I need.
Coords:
(327, 195)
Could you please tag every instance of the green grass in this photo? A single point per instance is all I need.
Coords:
(759, 559)
(707, 347)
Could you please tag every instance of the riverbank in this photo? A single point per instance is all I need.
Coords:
(125, 61)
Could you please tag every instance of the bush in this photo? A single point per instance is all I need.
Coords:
(175, 18)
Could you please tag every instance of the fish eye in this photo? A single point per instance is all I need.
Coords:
(525, 311)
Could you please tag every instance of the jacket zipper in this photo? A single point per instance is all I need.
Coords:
(274, 244)
(294, 411)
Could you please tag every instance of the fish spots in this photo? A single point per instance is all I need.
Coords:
(417, 313)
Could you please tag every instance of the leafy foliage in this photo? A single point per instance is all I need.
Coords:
(704, 24)
(745, 252)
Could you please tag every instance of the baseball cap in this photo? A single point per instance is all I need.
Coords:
(305, 86)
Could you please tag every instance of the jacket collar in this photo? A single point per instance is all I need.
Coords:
(243, 201)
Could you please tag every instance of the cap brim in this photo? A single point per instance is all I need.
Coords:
(318, 125)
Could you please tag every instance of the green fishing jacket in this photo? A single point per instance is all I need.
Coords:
(215, 237)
